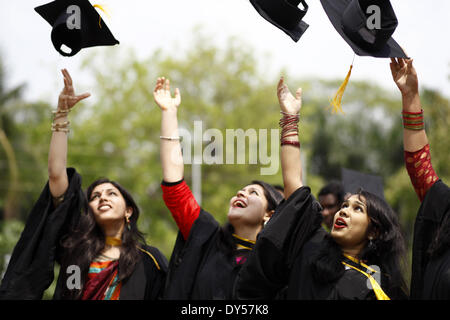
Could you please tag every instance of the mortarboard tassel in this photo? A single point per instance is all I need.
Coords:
(102, 9)
(336, 103)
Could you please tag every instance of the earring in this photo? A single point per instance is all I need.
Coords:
(128, 223)
(371, 245)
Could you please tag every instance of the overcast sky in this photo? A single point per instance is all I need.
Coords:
(145, 25)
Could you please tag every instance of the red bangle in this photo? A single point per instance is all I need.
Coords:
(408, 112)
(293, 143)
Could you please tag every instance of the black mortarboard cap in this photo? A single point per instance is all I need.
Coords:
(353, 181)
(91, 31)
(284, 14)
(349, 18)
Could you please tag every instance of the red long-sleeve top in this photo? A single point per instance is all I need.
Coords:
(182, 204)
(420, 170)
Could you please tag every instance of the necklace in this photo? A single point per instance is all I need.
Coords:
(114, 242)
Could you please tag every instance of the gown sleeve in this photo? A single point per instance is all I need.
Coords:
(156, 269)
(30, 270)
(182, 204)
(420, 170)
(268, 267)
(432, 212)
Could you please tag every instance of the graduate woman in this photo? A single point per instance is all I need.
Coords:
(206, 257)
(94, 238)
(431, 245)
(359, 259)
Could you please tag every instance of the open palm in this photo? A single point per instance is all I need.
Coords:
(67, 98)
(404, 75)
(289, 103)
(163, 97)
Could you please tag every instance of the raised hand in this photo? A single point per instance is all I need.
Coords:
(289, 103)
(162, 95)
(67, 98)
(405, 76)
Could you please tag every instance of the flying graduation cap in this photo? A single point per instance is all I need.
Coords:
(367, 27)
(76, 24)
(284, 14)
(353, 181)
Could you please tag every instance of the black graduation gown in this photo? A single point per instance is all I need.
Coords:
(430, 279)
(199, 269)
(145, 283)
(31, 268)
(281, 259)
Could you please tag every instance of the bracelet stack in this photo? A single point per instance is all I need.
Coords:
(289, 128)
(413, 120)
(60, 126)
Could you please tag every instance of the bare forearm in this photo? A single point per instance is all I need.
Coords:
(57, 161)
(291, 168)
(171, 156)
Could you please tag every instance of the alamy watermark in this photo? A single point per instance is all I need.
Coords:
(74, 279)
(374, 20)
(74, 19)
(263, 147)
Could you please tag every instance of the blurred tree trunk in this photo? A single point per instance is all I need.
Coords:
(11, 207)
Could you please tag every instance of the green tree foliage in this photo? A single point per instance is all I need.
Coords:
(115, 133)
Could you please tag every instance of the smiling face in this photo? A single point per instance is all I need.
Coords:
(108, 205)
(249, 207)
(350, 224)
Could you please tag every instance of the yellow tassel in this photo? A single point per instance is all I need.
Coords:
(336, 103)
(100, 18)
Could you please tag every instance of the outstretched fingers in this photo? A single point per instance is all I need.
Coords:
(82, 97)
(157, 85)
(177, 96)
(298, 94)
(67, 77)
(282, 88)
(167, 85)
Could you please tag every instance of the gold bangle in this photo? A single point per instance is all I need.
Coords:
(66, 130)
(169, 138)
(61, 127)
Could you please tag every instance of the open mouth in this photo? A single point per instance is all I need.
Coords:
(339, 223)
(239, 203)
(104, 207)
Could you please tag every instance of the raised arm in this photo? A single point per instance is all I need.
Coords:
(170, 149)
(415, 141)
(405, 77)
(291, 165)
(176, 193)
(57, 157)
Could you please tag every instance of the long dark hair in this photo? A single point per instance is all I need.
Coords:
(86, 241)
(441, 241)
(386, 250)
(273, 197)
